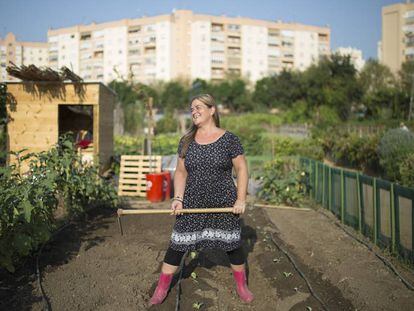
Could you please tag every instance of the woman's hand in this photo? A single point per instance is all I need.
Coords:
(176, 207)
(239, 207)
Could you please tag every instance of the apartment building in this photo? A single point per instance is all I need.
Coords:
(20, 53)
(186, 45)
(355, 56)
(397, 42)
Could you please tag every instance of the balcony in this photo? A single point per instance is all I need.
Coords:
(409, 51)
(323, 37)
(85, 36)
(233, 40)
(408, 29)
(217, 27)
(272, 41)
(134, 30)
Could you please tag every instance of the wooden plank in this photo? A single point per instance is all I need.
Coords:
(140, 157)
(132, 187)
(132, 180)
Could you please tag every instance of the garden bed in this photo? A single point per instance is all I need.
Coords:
(90, 266)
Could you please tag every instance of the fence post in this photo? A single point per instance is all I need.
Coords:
(316, 180)
(330, 188)
(310, 177)
(392, 205)
(374, 200)
(359, 203)
(323, 184)
(342, 196)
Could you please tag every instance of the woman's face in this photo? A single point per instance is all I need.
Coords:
(200, 112)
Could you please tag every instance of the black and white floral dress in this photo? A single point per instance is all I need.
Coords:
(209, 184)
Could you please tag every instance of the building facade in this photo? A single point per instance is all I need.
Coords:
(397, 42)
(355, 55)
(21, 53)
(186, 45)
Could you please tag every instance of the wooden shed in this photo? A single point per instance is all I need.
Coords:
(42, 111)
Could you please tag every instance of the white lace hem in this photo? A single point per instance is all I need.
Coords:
(188, 238)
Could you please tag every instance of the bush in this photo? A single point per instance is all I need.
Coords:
(298, 113)
(128, 145)
(283, 182)
(309, 148)
(406, 171)
(251, 129)
(162, 144)
(28, 201)
(394, 147)
(166, 124)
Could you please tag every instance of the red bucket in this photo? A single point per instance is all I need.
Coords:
(155, 191)
(167, 185)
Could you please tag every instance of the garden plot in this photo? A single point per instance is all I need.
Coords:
(90, 266)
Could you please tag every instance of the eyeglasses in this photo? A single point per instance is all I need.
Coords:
(198, 108)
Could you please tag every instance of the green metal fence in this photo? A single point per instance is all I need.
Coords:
(379, 209)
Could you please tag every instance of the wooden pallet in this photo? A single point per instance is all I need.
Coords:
(132, 181)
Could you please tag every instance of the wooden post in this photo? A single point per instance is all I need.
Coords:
(150, 127)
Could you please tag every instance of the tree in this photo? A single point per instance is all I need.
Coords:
(133, 97)
(233, 94)
(175, 96)
(406, 75)
(279, 91)
(333, 82)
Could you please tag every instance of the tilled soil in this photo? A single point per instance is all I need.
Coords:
(90, 266)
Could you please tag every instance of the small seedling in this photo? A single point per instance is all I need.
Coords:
(197, 305)
(194, 275)
(277, 260)
(287, 274)
(308, 308)
(193, 255)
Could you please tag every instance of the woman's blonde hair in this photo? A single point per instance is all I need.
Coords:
(188, 137)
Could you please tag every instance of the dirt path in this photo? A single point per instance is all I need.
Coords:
(91, 267)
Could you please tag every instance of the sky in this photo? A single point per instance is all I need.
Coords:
(354, 23)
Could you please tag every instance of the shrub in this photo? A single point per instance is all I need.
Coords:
(166, 124)
(394, 147)
(310, 148)
(28, 201)
(283, 182)
(162, 144)
(406, 171)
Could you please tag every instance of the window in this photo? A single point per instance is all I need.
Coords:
(85, 36)
(134, 29)
(233, 27)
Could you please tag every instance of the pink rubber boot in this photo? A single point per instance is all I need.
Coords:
(162, 289)
(244, 293)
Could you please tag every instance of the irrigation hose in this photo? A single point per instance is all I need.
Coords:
(177, 299)
(300, 273)
(45, 300)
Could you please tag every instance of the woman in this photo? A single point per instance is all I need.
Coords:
(203, 179)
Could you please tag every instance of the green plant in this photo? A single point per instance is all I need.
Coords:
(29, 200)
(283, 182)
(167, 124)
(406, 170)
(394, 147)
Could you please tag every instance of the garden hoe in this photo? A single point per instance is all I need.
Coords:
(122, 212)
